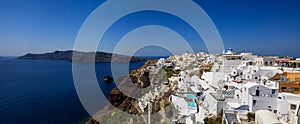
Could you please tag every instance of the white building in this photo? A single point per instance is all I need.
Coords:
(259, 97)
(289, 107)
(259, 61)
(270, 61)
(161, 62)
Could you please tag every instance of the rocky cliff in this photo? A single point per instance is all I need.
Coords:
(124, 109)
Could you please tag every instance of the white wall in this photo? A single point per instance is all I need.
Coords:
(263, 101)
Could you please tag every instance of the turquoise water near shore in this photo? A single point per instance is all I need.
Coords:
(42, 91)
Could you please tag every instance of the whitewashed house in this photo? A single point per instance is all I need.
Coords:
(270, 61)
(259, 97)
(289, 107)
(259, 61)
(161, 63)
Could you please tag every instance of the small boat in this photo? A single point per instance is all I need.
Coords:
(108, 79)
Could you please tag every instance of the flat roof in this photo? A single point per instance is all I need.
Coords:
(250, 84)
(234, 104)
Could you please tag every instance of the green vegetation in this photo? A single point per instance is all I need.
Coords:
(115, 117)
(251, 117)
(149, 63)
(161, 76)
(214, 119)
(168, 61)
(169, 112)
(190, 67)
(170, 72)
(218, 99)
(207, 67)
(156, 118)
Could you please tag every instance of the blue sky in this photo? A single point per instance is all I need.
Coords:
(268, 27)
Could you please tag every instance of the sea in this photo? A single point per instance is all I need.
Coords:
(43, 92)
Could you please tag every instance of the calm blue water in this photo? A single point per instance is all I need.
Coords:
(42, 91)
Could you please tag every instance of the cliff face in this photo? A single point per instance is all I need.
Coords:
(124, 109)
(76, 56)
(140, 78)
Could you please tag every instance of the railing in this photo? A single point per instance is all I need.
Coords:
(265, 95)
(217, 98)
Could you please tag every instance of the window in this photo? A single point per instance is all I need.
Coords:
(297, 78)
(283, 88)
(296, 89)
(257, 92)
(273, 91)
(293, 107)
(283, 78)
(275, 111)
(254, 102)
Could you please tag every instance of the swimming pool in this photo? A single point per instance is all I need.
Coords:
(192, 105)
(191, 96)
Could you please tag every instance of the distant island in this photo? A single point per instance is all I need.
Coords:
(76, 56)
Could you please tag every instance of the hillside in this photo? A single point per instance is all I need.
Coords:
(82, 56)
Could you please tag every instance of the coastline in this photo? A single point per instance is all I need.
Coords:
(164, 78)
(113, 106)
(110, 106)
